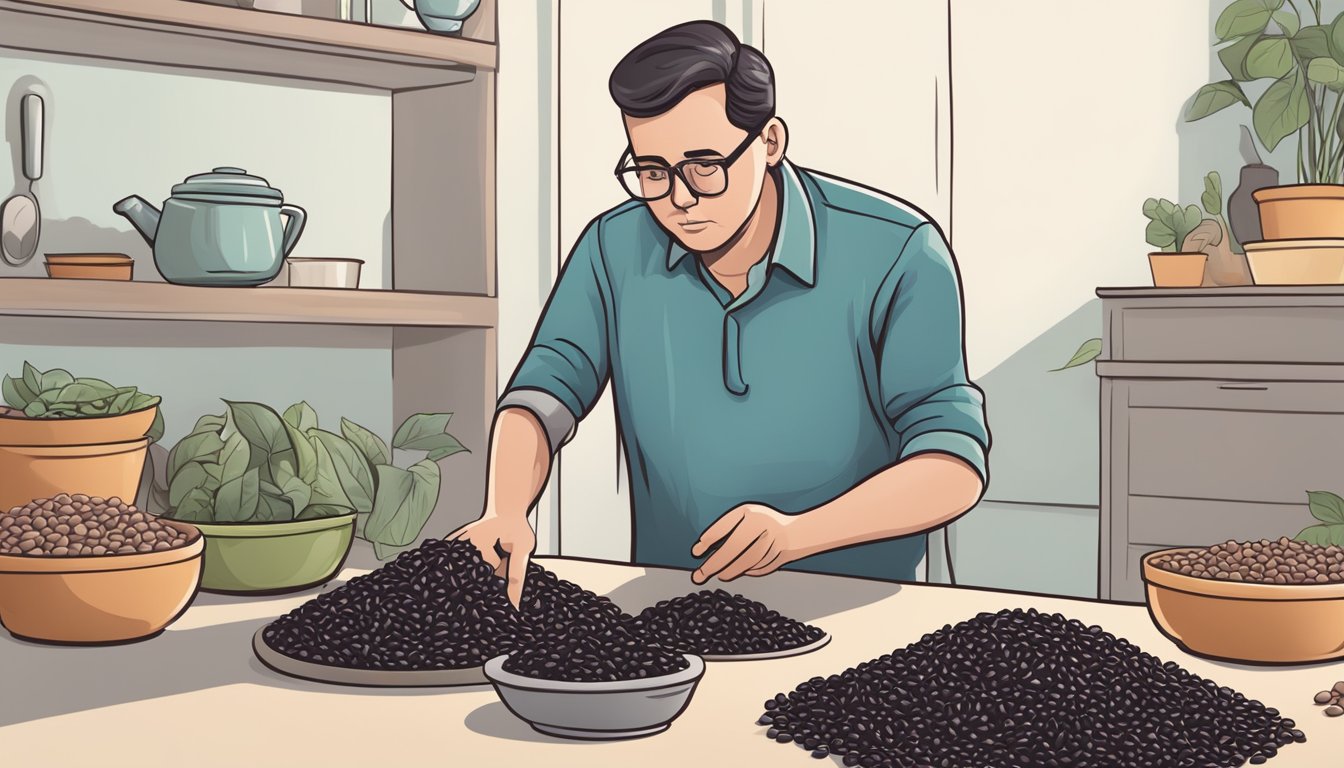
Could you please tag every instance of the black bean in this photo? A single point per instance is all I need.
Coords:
(1021, 688)
(722, 624)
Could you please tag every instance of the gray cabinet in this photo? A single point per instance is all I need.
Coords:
(1220, 409)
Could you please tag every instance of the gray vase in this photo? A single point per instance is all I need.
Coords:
(1243, 215)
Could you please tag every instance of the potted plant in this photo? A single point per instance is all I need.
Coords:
(280, 500)
(62, 434)
(1168, 227)
(1302, 60)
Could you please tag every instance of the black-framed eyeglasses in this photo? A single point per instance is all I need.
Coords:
(650, 179)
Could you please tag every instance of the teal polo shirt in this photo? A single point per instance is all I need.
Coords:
(843, 357)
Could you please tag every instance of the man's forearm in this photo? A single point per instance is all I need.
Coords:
(520, 460)
(923, 492)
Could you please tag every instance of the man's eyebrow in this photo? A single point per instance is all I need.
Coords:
(703, 153)
(655, 158)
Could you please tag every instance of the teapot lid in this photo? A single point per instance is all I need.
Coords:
(233, 182)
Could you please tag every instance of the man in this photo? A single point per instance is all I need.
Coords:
(785, 349)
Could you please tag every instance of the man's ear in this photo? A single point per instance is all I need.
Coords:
(776, 135)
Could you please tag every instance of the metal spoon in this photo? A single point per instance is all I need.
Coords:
(20, 217)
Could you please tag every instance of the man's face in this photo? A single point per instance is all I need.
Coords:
(697, 128)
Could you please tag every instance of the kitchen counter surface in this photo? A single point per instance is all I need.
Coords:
(195, 696)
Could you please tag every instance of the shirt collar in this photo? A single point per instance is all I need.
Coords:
(796, 237)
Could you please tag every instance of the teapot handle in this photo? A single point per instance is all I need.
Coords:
(293, 227)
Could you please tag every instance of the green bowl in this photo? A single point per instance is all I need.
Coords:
(274, 558)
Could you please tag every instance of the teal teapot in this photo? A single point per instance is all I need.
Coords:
(220, 228)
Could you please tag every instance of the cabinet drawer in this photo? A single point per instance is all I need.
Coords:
(1241, 445)
(1266, 334)
(1199, 522)
(1323, 397)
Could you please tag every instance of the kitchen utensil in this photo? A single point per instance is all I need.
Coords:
(597, 711)
(1297, 262)
(21, 216)
(443, 16)
(90, 266)
(1246, 621)
(324, 273)
(323, 673)
(218, 228)
(99, 599)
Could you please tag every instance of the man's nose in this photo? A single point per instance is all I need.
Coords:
(682, 197)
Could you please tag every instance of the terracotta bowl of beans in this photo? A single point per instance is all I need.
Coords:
(84, 570)
(1259, 602)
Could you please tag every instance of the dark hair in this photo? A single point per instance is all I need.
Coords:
(660, 71)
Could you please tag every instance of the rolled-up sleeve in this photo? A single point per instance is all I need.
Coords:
(567, 363)
(919, 337)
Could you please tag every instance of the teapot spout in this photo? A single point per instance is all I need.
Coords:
(142, 214)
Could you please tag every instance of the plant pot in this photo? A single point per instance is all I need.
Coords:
(1301, 211)
(274, 558)
(1177, 270)
(98, 599)
(90, 430)
(1297, 262)
(30, 472)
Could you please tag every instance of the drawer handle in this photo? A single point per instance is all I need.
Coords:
(1244, 387)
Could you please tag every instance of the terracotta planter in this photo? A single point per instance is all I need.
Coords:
(1177, 270)
(99, 599)
(1301, 211)
(91, 430)
(1296, 262)
(30, 472)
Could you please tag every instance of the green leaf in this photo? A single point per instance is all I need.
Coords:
(315, 511)
(273, 508)
(1323, 535)
(1213, 194)
(352, 469)
(155, 433)
(305, 459)
(383, 551)
(1245, 17)
(209, 422)
(369, 444)
(1234, 56)
(1089, 351)
(190, 477)
(260, 426)
(1326, 507)
(1189, 219)
(143, 401)
(235, 459)
(327, 484)
(122, 402)
(1287, 21)
(301, 416)
(1150, 207)
(438, 454)
(1159, 234)
(80, 392)
(35, 410)
(194, 447)
(1311, 42)
(1281, 111)
(297, 492)
(57, 378)
(1334, 37)
(406, 499)
(237, 499)
(421, 432)
(197, 506)
(1271, 57)
(1215, 97)
(1327, 72)
(16, 393)
(32, 378)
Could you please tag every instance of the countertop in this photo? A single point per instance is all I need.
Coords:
(195, 696)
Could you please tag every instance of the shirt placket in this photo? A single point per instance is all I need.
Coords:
(731, 338)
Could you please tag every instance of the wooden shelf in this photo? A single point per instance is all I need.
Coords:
(97, 299)
(178, 33)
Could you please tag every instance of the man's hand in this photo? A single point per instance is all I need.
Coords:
(515, 539)
(753, 540)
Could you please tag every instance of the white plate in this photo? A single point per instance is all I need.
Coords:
(373, 678)
(787, 652)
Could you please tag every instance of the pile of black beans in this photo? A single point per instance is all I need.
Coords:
(1021, 688)
(438, 606)
(586, 654)
(714, 622)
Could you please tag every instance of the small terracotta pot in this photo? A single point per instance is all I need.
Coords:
(89, 430)
(30, 472)
(99, 599)
(1301, 211)
(1177, 270)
